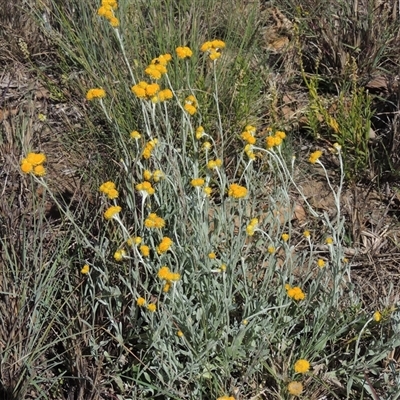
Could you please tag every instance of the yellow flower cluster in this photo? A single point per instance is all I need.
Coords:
(321, 263)
(301, 366)
(248, 149)
(213, 48)
(183, 52)
(162, 95)
(144, 90)
(145, 187)
(141, 302)
(33, 163)
(107, 11)
(196, 182)
(250, 229)
(285, 237)
(295, 292)
(236, 191)
(109, 189)
(295, 388)
(119, 255)
(275, 140)
(214, 163)
(111, 212)
(158, 66)
(248, 134)
(199, 132)
(149, 148)
(156, 176)
(190, 104)
(154, 221)
(314, 157)
(165, 274)
(165, 245)
(96, 93)
(226, 398)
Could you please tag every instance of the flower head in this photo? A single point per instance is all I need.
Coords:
(109, 189)
(135, 135)
(295, 388)
(96, 93)
(285, 237)
(213, 48)
(212, 164)
(165, 245)
(33, 163)
(321, 263)
(329, 241)
(226, 398)
(145, 188)
(301, 366)
(85, 269)
(152, 307)
(295, 292)
(119, 255)
(199, 132)
(250, 229)
(314, 157)
(144, 250)
(165, 274)
(196, 182)
(183, 52)
(140, 301)
(236, 191)
(111, 212)
(154, 221)
(377, 316)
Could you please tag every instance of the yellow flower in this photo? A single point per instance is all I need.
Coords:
(140, 301)
(248, 137)
(152, 307)
(236, 191)
(250, 229)
(167, 286)
(119, 255)
(213, 48)
(295, 388)
(301, 366)
(333, 124)
(245, 322)
(152, 89)
(306, 234)
(329, 241)
(197, 182)
(165, 274)
(85, 269)
(183, 52)
(147, 175)
(26, 167)
(271, 249)
(285, 237)
(207, 191)
(114, 22)
(134, 241)
(111, 212)
(207, 146)
(140, 89)
(280, 134)
(223, 267)
(377, 316)
(295, 292)
(36, 158)
(199, 132)
(158, 175)
(149, 148)
(164, 246)
(39, 170)
(154, 221)
(180, 333)
(321, 263)
(190, 109)
(109, 189)
(212, 256)
(144, 250)
(226, 398)
(135, 135)
(315, 156)
(162, 95)
(96, 93)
